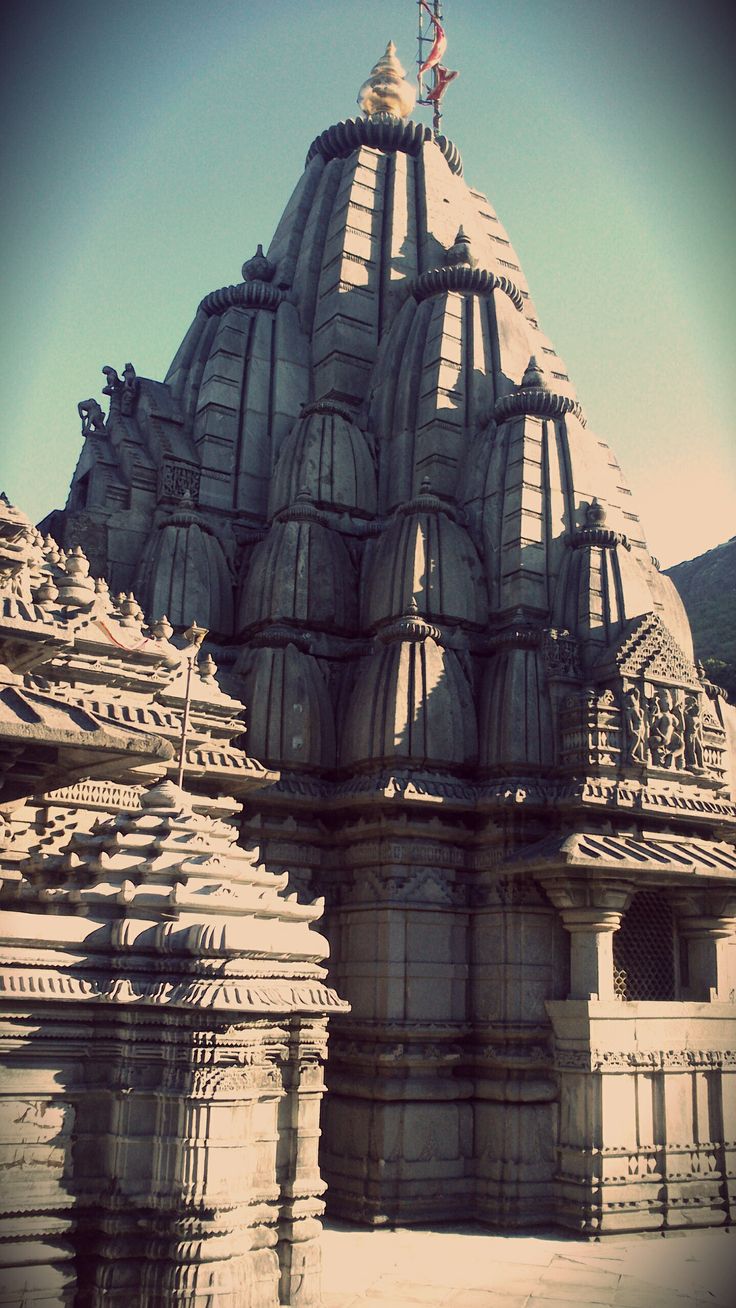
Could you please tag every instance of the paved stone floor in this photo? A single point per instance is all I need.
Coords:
(467, 1267)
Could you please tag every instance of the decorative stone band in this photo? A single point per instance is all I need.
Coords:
(278, 636)
(246, 295)
(517, 637)
(592, 794)
(537, 403)
(382, 133)
(461, 277)
(272, 995)
(329, 407)
(646, 1060)
(426, 502)
(302, 510)
(410, 627)
(603, 537)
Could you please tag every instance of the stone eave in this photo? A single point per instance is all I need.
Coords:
(653, 856)
(46, 739)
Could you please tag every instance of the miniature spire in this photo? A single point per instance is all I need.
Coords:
(258, 268)
(386, 91)
(595, 514)
(460, 251)
(534, 378)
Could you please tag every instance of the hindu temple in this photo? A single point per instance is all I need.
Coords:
(442, 695)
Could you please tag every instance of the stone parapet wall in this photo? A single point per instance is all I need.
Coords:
(647, 1114)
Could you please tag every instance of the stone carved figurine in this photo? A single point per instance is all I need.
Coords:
(666, 730)
(129, 389)
(113, 382)
(678, 741)
(636, 726)
(694, 757)
(93, 419)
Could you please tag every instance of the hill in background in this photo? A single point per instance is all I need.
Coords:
(707, 585)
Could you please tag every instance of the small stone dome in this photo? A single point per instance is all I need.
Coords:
(289, 714)
(326, 454)
(301, 572)
(426, 557)
(184, 574)
(515, 717)
(601, 587)
(411, 703)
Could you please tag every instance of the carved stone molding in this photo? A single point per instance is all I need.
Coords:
(246, 295)
(537, 403)
(461, 278)
(340, 140)
(645, 1060)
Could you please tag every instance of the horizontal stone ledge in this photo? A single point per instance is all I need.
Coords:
(397, 1090)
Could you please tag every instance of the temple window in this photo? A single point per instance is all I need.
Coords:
(81, 491)
(644, 957)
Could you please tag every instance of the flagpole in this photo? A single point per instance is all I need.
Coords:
(431, 11)
(437, 112)
(193, 637)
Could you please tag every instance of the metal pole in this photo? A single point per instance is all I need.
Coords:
(194, 637)
(437, 112)
(185, 722)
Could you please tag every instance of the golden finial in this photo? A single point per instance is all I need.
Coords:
(386, 90)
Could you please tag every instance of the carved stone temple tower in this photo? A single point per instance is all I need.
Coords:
(367, 473)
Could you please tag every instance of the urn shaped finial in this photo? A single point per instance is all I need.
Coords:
(386, 90)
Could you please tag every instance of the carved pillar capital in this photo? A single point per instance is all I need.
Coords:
(707, 928)
(591, 919)
(602, 894)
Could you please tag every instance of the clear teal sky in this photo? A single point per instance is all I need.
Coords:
(149, 144)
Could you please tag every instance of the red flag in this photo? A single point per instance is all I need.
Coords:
(444, 77)
(439, 45)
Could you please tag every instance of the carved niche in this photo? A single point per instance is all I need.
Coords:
(651, 713)
(177, 481)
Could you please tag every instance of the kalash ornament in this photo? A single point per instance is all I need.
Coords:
(387, 92)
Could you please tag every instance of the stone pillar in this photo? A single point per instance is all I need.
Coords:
(591, 951)
(707, 924)
(517, 961)
(591, 911)
(397, 1139)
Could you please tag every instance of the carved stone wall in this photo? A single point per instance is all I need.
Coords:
(163, 1027)
(647, 1111)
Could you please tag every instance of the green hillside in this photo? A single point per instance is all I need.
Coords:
(707, 585)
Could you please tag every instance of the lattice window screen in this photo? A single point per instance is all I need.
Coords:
(644, 949)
